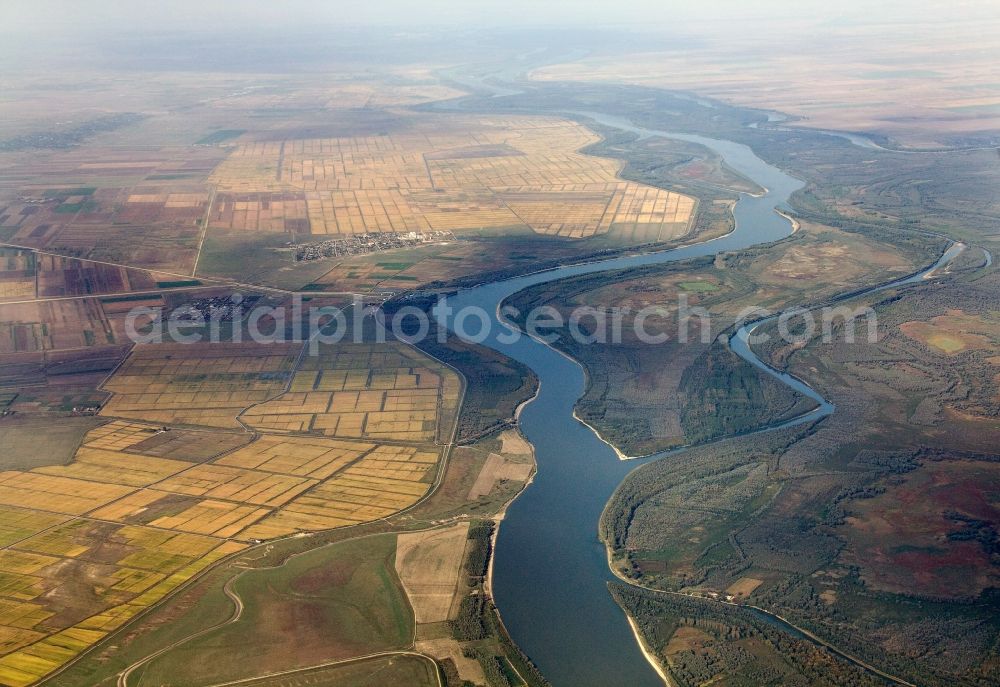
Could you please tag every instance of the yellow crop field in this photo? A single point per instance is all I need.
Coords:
(67, 540)
(131, 505)
(135, 581)
(236, 484)
(197, 384)
(429, 565)
(17, 523)
(170, 200)
(32, 654)
(304, 381)
(302, 456)
(101, 465)
(20, 587)
(11, 290)
(267, 212)
(140, 564)
(159, 442)
(376, 392)
(56, 494)
(13, 638)
(19, 615)
(384, 481)
(218, 518)
(162, 550)
(402, 415)
(447, 173)
(22, 562)
(36, 660)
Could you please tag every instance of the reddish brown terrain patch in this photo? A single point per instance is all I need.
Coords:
(922, 535)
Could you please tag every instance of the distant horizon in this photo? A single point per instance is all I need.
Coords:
(108, 17)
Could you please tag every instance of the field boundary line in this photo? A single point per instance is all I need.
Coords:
(203, 234)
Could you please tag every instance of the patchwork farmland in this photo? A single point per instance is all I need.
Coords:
(174, 482)
(354, 391)
(455, 173)
(206, 384)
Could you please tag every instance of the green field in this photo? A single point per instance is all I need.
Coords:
(698, 286)
(260, 258)
(178, 283)
(411, 671)
(329, 604)
(220, 136)
(67, 192)
(27, 443)
(69, 208)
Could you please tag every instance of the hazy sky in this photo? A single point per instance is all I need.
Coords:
(146, 15)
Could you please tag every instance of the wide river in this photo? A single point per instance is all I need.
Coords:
(550, 571)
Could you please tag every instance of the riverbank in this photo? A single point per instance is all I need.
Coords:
(650, 656)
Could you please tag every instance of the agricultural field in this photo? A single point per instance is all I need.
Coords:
(495, 384)
(68, 581)
(402, 268)
(59, 276)
(147, 176)
(500, 468)
(298, 456)
(174, 482)
(260, 212)
(101, 221)
(849, 186)
(72, 570)
(219, 190)
(202, 384)
(376, 393)
(429, 565)
(311, 511)
(17, 274)
(406, 576)
(56, 352)
(471, 471)
(688, 169)
(386, 480)
(389, 392)
(55, 384)
(30, 441)
(58, 325)
(61, 322)
(149, 440)
(139, 525)
(455, 173)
